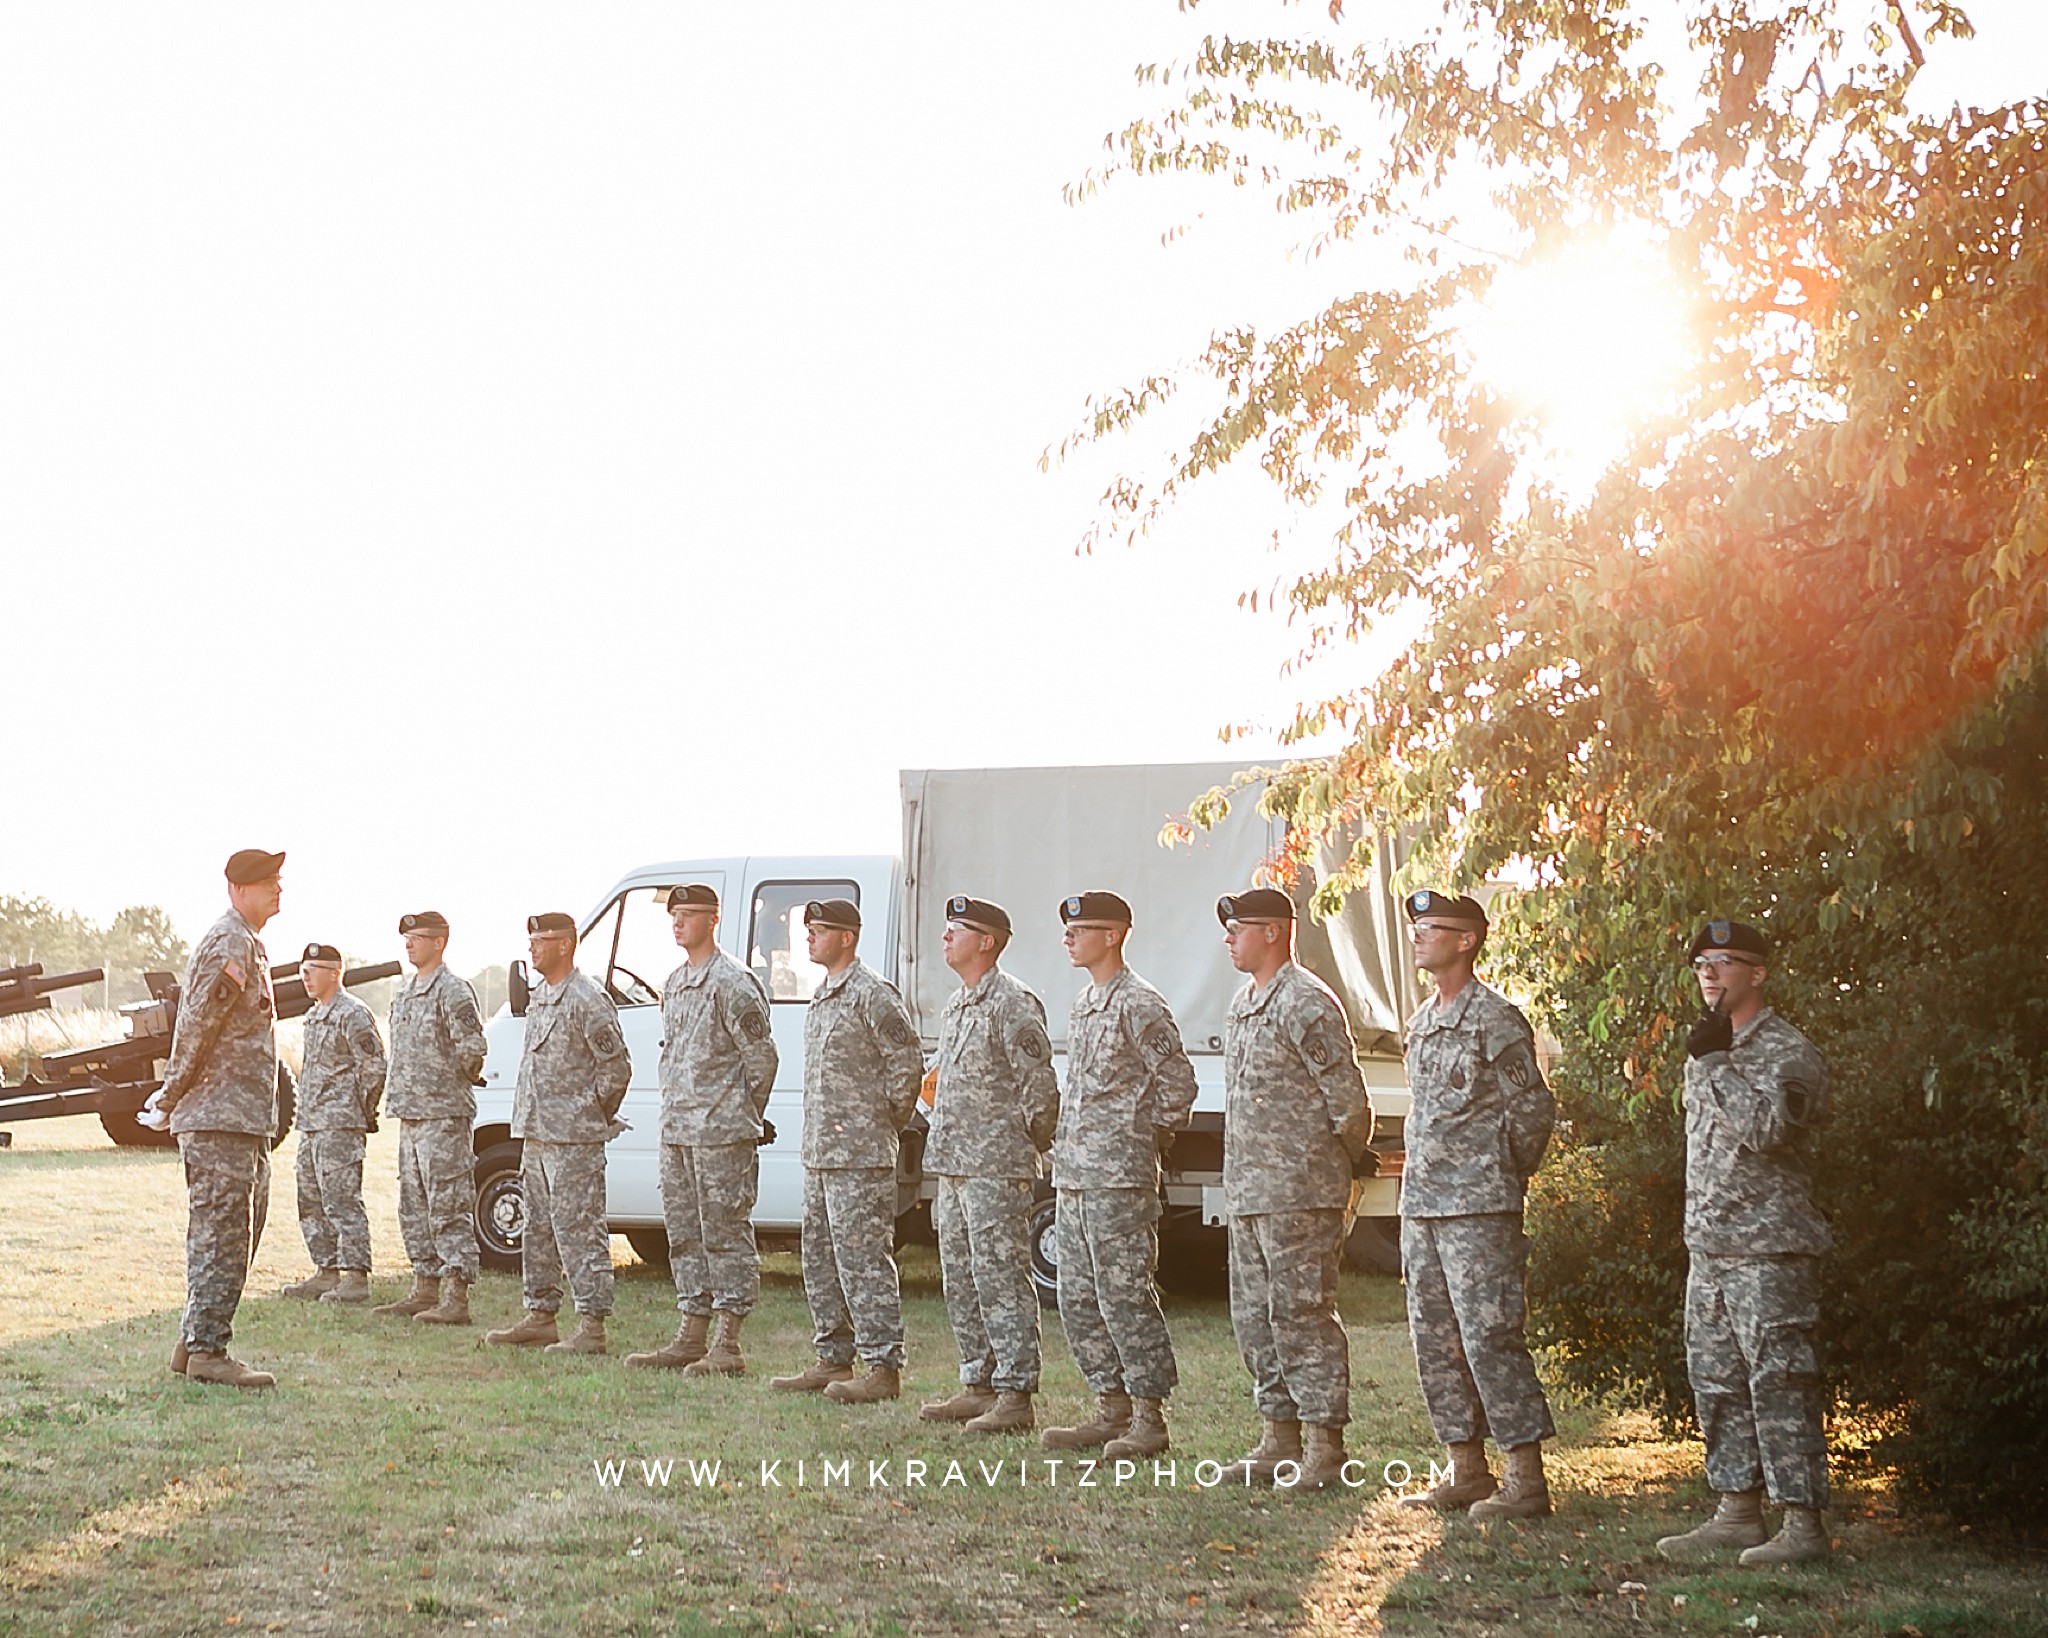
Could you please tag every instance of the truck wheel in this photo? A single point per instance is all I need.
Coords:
(287, 1104)
(500, 1208)
(649, 1242)
(1374, 1246)
(1045, 1251)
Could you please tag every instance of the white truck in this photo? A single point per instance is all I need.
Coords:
(1026, 838)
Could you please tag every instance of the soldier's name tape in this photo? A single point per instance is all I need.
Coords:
(945, 1472)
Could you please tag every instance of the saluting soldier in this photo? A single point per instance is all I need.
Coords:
(573, 1072)
(994, 1113)
(862, 1067)
(1754, 1088)
(1297, 1123)
(219, 1094)
(1478, 1125)
(341, 1082)
(718, 1064)
(437, 1053)
(1129, 1088)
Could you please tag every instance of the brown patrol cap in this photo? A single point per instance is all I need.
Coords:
(1463, 912)
(843, 914)
(982, 914)
(423, 921)
(252, 865)
(551, 921)
(693, 896)
(1257, 904)
(1102, 907)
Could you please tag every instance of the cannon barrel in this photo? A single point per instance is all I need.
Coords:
(25, 989)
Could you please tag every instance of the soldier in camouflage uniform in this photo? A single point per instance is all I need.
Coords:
(220, 1096)
(340, 1085)
(437, 1053)
(1129, 1088)
(1478, 1126)
(993, 1114)
(1754, 1088)
(862, 1067)
(573, 1074)
(718, 1065)
(1297, 1125)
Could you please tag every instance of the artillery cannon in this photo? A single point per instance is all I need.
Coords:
(114, 1081)
(25, 989)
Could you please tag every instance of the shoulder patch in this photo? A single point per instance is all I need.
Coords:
(235, 972)
(1518, 1068)
(1315, 1045)
(896, 1031)
(607, 1038)
(754, 1024)
(1161, 1041)
(1032, 1042)
(1798, 1102)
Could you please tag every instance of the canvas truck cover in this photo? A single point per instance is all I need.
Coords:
(1028, 837)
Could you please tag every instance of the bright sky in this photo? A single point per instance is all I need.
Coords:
(480, 448)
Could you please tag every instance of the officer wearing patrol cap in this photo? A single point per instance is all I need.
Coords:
(1479, 1121)
(219, 1098)
(573, 1073)
(341, 1081)
(862, 1066)
(437, 1053)
(1129, 1088)
(1297, 1124)
(718, 1063)
(994, 1113)
(1754, 1088)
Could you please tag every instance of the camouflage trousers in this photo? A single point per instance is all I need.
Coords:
(1283, 1311)
(707, 1199)
(1749, 1329)
(329, 1173)
(850, 1264)
(984, 1226)
(437, 1197)
(561, 1185)
(1466, 1314)
(227, 1195)
(1109, 1252)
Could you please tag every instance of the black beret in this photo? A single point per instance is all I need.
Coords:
(321, 952)
(423, 921)
(551, 921)
(980, 913)
(252, 865)
(1095, 907)
(1730, 935)
(696, 895)
(841, 913)
(1256, 904)
(1463, 909)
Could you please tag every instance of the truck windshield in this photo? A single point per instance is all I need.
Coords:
(646, 952)
(777, 950)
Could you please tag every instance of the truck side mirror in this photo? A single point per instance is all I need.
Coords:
(517, 990)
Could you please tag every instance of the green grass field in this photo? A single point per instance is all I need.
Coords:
(402, 1480)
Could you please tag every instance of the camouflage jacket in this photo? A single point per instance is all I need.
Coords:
(862, 1069)
(343, 1077)
(997, 1104)
(1747, 1113)
(574, 1066)
(1296, 1115)
(718, 1057)
(437, 1048)
(1128, 1080)
(222, 1073)
(1480, 1116)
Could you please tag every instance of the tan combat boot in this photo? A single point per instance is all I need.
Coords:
(1527, 1494)
(1801, 1538)
(686, 1348)
(723, 1358)
(964, 1406)
(1279, 1442)
(1146, 1435)
(425, 1292)
(1322, 1461)
(179, 1357)
(1737, 1523)
(224, 1372)
(314, 1285)
(536, 1329)
(588, 1337)
(878, 1383)
(1470, 1481)
(1112, 1420)
(452, 1309)
(1011, 1413)
(354, 1287)
(815, 1377)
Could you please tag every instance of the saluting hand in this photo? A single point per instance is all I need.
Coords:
(1713, 1033)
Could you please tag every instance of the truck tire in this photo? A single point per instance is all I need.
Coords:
(287, 1104)
(649, 1242)
(1045, 1251)
(500, 1207)
(129, 1133)
(1374, 1246)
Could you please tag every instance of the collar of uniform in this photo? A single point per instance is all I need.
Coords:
(695, 974)
(1094, 997)
(834, 982)
(972, 995)
(1252, 1000)
(1750, 1028)
(1437, 1016)
(320, 1009)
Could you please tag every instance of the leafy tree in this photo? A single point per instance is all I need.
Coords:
(1780, 661)
(139, 939)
